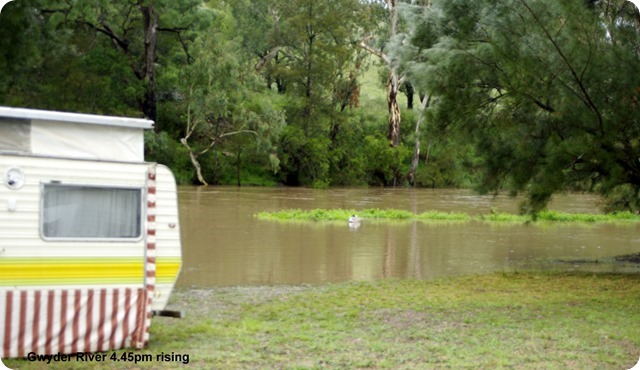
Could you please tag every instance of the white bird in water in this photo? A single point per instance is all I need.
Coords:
(354, 221)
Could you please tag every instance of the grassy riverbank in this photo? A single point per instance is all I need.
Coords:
(438, 216)
(522, 321)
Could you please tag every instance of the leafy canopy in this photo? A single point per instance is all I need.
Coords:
(546, 90)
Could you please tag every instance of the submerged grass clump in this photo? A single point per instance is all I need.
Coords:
(367, 214)
(586, 217)
(309, 215)
(386, 214)
(442, 216)
(337, 214)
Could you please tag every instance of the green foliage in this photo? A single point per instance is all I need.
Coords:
(534, 96)
(623, 196)
(50, 64)
(308, 52)
(372, 214)
(19, 51)
(544, 90)
(162, 148)
(587, 218)
(91, 56)
(385, 164)
(446, 164)
(228, 124)
(304, 160)
(366, 214)
(348, 160)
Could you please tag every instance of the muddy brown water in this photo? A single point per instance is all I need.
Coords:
(224, 244)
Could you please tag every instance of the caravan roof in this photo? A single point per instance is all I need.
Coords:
(92, 119)
(72, 135)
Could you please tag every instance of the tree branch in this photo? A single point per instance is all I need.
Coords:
(546, 107)
(123, 44)
(118, 43)
(265, 59)
(238, 132)
(374, 51)
(178, 32)
(589, 102)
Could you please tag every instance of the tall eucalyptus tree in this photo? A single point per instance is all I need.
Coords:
(376, 43)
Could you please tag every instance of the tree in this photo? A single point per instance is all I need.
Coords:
(220, 109)
(306, 48)
(47, 65)
(547, 91)
(126, 33)
(135, 30)
(394, 80)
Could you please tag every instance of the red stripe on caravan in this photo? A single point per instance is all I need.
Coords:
(23, 323)
(114, 319)
(125, 321)
(102, 318)
(151, 245)
(151, 190)
(76, 321)
(50, 307)
(64, 302)
(89, 321)
(135, 333)
(140, 319)
(7, 325)
(151, 218)
(36, 322)
(152, 176)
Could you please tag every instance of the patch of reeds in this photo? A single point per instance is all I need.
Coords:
(338, 214)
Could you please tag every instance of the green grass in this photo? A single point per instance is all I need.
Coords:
(585, 217)
(443, 216)
(497, 321)
(437, 216)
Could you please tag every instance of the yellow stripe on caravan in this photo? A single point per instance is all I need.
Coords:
(73, 271)
(167, 269)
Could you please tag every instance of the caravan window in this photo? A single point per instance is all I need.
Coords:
(91, 212)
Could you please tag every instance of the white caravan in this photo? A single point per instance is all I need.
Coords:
(89, 233)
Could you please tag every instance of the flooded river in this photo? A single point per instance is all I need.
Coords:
(224, 244)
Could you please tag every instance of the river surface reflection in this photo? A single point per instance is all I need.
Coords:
(224, 244)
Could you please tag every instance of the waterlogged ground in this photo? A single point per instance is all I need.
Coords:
(514, 321)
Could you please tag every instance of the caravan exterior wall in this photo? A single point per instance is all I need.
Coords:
(88, 249)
